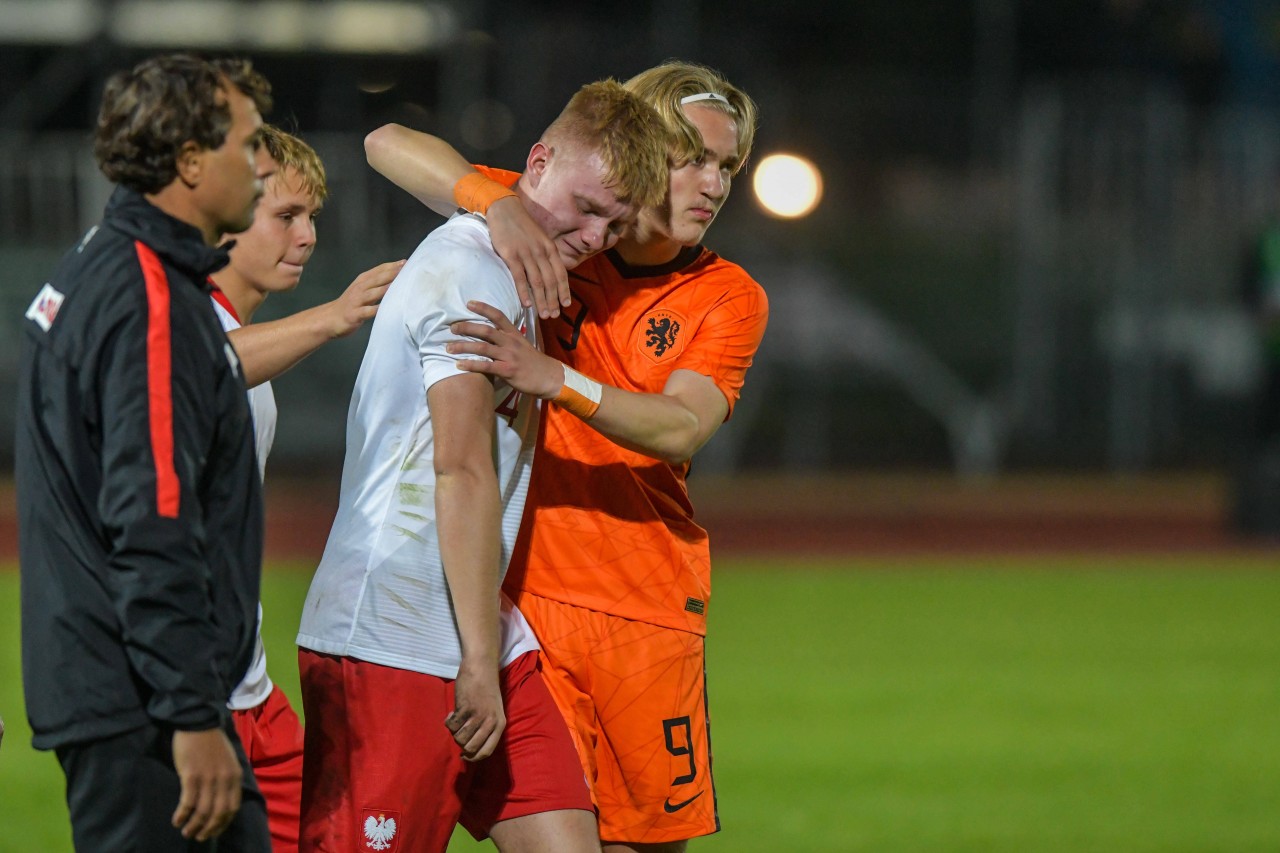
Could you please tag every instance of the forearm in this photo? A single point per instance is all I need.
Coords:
(670, 426)
(267, 350)
(422, 165)
(657, 425)
(468, 520)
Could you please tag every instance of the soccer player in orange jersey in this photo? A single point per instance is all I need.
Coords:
(643, 365)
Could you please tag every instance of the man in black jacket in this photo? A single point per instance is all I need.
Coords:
(139, 502)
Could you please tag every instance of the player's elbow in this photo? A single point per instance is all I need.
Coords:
(465, 469)
(378, 142)
(677, 444)
(680, 454)
(674, 456)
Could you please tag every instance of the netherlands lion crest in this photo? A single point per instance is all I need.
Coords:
(379, 829)
(661, 334)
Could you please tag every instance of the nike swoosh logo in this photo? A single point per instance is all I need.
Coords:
(671, 808)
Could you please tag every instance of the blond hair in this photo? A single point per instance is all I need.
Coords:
(631, 138)
(664, 86)
(290, 152)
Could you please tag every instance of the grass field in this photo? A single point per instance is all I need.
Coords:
(1017, 704)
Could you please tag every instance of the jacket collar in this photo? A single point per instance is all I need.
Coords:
(178, 242)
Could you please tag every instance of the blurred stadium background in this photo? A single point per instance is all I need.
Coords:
(1029, 253)
(1009, 390)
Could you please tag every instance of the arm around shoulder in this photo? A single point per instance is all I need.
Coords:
(433, 172)
(423, 165)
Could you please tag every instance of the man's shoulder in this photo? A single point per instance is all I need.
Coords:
(711, 267)
(461, 245)
(713, 282)
(463, 227)
(110, 285)
(101, 274)
(464, 237)
(456, 262)
(102, 245)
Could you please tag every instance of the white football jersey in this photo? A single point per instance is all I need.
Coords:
(380, 593)
(254, 689)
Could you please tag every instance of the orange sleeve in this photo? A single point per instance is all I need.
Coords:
(728, 337)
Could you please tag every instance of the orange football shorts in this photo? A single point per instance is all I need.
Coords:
(634, 696)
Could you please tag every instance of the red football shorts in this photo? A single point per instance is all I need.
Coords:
(383, 773)
(272, 738)
(634, 696)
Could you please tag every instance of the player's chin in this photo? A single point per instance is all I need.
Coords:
(692, 231)
(571, 258)
(288, 276)
(284, 283)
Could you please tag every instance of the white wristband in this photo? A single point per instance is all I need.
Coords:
(579, 395)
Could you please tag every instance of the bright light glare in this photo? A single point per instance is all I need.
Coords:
(332, 26)
(787, 186)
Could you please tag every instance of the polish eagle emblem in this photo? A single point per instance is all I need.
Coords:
(378, 831)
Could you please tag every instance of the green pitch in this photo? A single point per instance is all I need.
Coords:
(1101, 704)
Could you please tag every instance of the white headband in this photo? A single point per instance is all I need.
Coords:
(704, 96)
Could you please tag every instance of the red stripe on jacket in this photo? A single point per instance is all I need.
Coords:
(222, 299)
(159, 380)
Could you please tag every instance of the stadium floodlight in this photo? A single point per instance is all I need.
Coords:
(787, 186)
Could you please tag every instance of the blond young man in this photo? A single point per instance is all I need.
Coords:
(611, 569)
(269, 258)
(424, 701)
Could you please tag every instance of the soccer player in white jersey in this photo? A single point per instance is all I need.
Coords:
(269, 258)
(424, 702)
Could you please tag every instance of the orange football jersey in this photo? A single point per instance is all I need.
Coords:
(607, 528)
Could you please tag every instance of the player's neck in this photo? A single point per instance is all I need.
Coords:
(242, 295)
(176, 200)
(653, 252)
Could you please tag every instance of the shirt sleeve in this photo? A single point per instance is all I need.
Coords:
(439, 296)
(157, 423)
(728, 337)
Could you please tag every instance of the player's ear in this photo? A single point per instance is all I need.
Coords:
(536, 165)
(190, 163)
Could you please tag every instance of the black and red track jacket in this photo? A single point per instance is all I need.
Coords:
(139, 502)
